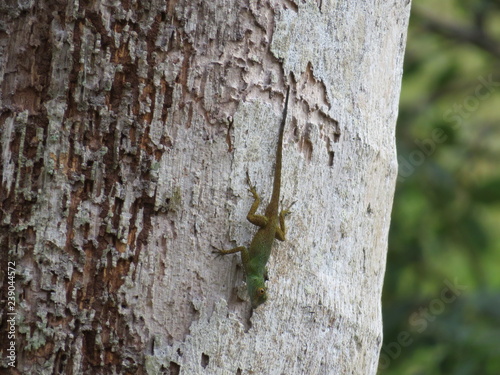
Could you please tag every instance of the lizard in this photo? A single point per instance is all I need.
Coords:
(271, 225)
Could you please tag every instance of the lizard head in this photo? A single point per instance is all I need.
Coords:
(256, 290)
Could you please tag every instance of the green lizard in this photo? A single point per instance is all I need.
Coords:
(271, 226)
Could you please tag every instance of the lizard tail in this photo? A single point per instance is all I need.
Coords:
(273, 205)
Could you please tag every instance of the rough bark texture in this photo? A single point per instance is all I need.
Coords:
(126, 131)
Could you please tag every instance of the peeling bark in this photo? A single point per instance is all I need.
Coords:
(126, 131)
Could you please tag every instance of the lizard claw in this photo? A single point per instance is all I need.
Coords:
(288, 211)
(217, 251)
(251, 187)
(249, 182)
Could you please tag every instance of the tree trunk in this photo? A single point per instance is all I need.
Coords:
(126, 131)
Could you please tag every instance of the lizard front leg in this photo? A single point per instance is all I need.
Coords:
(240, 249)
(230, 251)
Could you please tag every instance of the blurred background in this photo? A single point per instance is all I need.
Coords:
(441, 300)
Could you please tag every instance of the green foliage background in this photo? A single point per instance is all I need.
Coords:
(441, 301)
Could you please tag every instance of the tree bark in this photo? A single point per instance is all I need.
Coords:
(126, 131)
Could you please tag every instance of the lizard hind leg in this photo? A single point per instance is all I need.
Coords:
(258, 220)
(253, 191)
(281, 229)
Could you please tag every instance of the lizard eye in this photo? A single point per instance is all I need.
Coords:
(261, 291)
